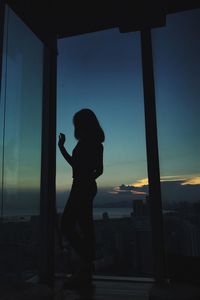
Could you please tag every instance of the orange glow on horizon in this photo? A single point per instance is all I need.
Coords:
(140, 182)
(192, 181)
(185, 179)
(138, 193)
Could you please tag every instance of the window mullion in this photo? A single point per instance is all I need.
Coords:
(152, 156)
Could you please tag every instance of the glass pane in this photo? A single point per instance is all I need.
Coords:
(21, 108)
(176, 50)
(102, 71)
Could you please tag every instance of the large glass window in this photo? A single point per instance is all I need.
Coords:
(102, 71)
(176, 49)
(20, 149)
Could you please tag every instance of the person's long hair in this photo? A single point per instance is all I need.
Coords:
(87, 126)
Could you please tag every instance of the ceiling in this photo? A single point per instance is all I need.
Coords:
(65, 18)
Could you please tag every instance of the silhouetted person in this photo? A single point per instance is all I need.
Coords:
(87, 165)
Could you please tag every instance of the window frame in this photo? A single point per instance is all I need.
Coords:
(48, 149)
(2, 17)
(153, 167)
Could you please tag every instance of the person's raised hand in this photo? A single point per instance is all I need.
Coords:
(61, 140)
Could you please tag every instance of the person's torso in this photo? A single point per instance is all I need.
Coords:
(85, 159)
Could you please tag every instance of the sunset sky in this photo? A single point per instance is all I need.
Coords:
(102, 71)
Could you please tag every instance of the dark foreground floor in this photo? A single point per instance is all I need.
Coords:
(109, 290)
(103, 290)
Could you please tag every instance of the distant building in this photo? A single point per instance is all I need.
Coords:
(141, 207)
(124, 246)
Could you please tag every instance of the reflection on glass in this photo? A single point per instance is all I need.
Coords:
(176, 51)
(102, 71)
(20, 140)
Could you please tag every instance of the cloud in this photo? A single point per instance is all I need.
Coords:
(140, 183)
(174, 188)
(124, 187)
(192, 181)
(139, 193)
(182, 179)
(144, 181)
(129, 190)
(173, 178)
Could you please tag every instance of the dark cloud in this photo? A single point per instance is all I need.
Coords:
(124, 187)
(131, 189)
(172, 191)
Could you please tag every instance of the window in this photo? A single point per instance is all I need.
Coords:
(102, 71)
(176, 49)
(20, 148)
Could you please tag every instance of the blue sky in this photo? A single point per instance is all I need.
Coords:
(176, 51)
(102, 71)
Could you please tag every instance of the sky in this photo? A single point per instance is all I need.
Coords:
(102, 71)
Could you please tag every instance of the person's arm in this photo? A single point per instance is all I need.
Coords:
(64, 152)
(99, 168)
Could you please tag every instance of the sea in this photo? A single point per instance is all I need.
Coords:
(112, 212)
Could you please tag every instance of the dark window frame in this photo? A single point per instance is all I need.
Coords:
(48, 151)
(153, 167)
(2, 17)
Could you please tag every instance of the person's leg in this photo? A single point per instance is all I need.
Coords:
(69, 220)
(86, 225)
(83, 240)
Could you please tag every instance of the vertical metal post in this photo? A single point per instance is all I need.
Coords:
(48, 165)
(2, 24)
(152, 157)
(2, 17)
